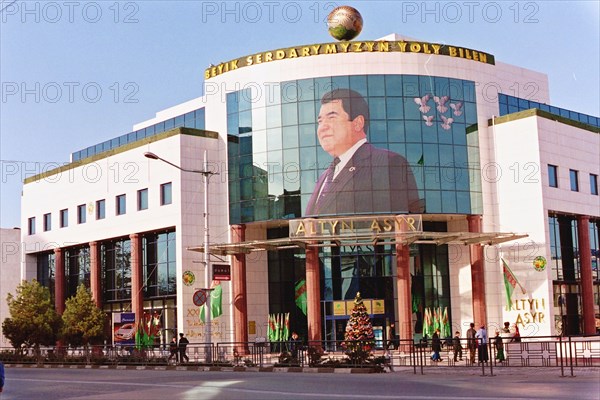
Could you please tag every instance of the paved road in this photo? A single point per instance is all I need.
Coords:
(446, 384)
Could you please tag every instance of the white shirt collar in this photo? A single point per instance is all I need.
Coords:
(344, 158)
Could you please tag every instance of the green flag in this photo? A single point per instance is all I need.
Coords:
(301, 295)
(421, 160)
(286, 326)
(271, 329)
(216, 299)
(510, 283)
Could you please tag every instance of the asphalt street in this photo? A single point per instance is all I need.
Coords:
(437, 383)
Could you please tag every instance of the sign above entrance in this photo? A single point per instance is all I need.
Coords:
(348, 227)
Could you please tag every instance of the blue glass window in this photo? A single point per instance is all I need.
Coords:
(47, 222)
(81, 214)
(121, 204)
(166, 196)
(31, 226)
(574, 178)
(64, 218)
(552, 176)
(594, 184)
(100, 209)
(142, 198)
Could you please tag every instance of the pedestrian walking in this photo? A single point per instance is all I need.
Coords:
(457, 346)
(498, 342)
(436, 346)
(482, 340)
(471, 342)
(174, 350)
(183, 342)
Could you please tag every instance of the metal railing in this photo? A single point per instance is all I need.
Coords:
(565, 353)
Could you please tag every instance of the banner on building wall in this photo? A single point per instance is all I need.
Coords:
(124, 329)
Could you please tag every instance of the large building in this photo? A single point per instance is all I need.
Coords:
(505, 228)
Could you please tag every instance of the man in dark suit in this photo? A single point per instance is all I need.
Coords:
(362, 179)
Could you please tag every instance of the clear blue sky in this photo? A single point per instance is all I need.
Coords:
(145, 56)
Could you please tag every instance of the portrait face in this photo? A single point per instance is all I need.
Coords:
(336, 132)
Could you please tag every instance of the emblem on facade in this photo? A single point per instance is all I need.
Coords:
(539, 263)
(188, 278)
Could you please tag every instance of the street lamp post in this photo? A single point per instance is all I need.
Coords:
(208, 275)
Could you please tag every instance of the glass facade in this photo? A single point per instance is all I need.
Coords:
(511, 104)
(159, 264)
(193, 119)
(46, 271)
(115, 257)
(275, 158)
(77, 269)
(565, 264)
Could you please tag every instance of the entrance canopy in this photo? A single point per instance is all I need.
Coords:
(358, 231)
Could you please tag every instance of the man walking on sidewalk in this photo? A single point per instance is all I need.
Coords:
(183, 342)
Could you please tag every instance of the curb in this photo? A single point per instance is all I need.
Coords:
(309, 370)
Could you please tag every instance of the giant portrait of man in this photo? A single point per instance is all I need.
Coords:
(362, 179)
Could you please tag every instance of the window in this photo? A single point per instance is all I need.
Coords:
(594, 184)
(142, 198)
(47, 222)
(77, 269)
(574, 177)
(81, 214)
(165, 194)
(121, 205)
(101, 209)
(64, 218)
(159, 265)
(31, 226)
(115, 258)
(553, 175)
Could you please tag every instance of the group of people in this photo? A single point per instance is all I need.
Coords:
(477, 341)
(179, 350)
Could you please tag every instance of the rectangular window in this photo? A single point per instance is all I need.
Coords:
(142, 198)
(121, 205)
(574, 177)
(47, 222)
(81, 214)
(553, 175)
(101, 209)
(64, 218)
(166, 194)
(31, 226)
(594, 184)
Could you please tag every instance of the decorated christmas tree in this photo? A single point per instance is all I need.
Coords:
(359, 336)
